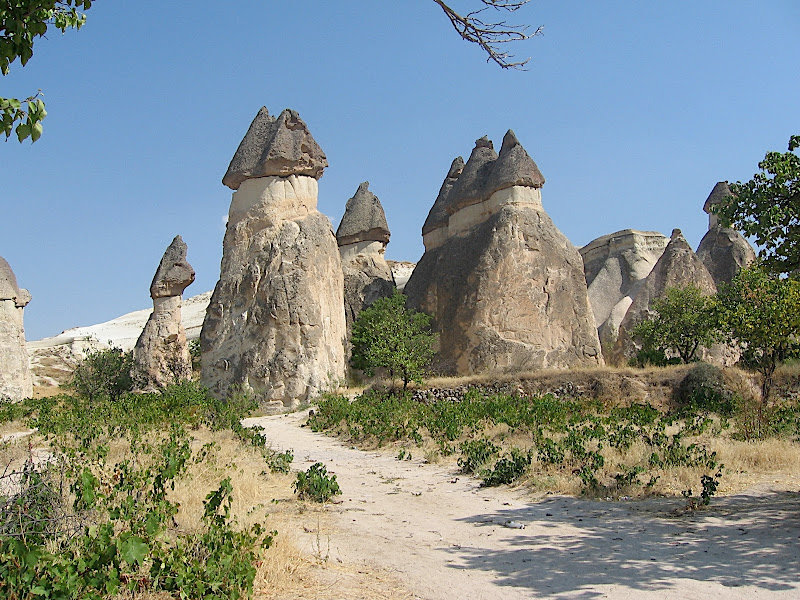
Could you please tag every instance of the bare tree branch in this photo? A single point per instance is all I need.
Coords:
(489, 35)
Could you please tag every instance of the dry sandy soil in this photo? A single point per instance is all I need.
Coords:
(414, 530)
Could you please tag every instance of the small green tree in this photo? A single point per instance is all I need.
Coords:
(768, 207)
(104, 374)
(682, 321)
(390, 336)
(761, 313)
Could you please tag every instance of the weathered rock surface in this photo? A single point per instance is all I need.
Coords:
(401, 272)
(505, 287)
(678, 266)
(15, 377)
(275, 324)
(615, 266)
(279, 146)
(362, 237)
(161, 355)
(724, 251)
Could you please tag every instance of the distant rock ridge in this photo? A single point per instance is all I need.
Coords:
(15, 376)
(615, 265)
(724, 251)
(275, 146)
(505, 288)
(275, 325)
(471, 193)
(362, 237)
(161, 355)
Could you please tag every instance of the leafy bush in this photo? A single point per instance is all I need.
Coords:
(703, 388)
(475, 454)
(508, 469)
(105, 373)
(315, 484)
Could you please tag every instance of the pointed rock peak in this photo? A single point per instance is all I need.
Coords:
(363, 220)
(174, 273)
(484, 142)
(9, 289)
(275, 146)
(718, 194)
(513, 167)
(676, 233)
(437, 217)
(456, 168)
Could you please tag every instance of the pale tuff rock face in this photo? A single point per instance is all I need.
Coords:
(615, 266)
(362, 237)
(275, 146)
(161, 355)
(472, 193)
(724, 251)
(678, 266)
(15, 376)
(275, 324)
(505, 288)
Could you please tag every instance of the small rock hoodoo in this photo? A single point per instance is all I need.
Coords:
(505, 287)
(15, 376)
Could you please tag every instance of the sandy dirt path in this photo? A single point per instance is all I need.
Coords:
(447, 538)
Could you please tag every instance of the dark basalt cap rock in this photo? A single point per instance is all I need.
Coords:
(281, 146)
(363, 219)
(174, 274)
(437, 217)
(718, 194)
(9, 290)
(469, 188)
(512, 167)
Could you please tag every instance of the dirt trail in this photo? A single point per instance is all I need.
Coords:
(447, 538)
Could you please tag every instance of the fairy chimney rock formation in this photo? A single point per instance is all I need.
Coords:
(724, 251)
(15, 376)
(505, 287)
(678, 266)
(161, 355)
(615, 267)
(275, 325)
(362, 237)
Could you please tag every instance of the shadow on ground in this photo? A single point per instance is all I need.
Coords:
(572, 546)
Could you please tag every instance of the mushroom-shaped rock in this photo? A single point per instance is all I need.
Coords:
(363, 220)
(15, 377)
(161, 355)
(279, 146)
(174, 274)
(470, 186)
(513, 167)
(437, 217)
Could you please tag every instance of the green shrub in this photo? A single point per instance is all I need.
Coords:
(103, 374)
(703, 388)
(508, 469)
(315, 484)
(475, 454)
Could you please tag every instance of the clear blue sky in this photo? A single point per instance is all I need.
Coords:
(632, 110)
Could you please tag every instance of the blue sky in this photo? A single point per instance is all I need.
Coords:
(632, 110)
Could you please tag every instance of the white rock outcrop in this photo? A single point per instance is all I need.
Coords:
(275, 325)
(505, 287)
(15, 376)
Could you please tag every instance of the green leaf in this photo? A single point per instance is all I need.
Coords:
(134, 550)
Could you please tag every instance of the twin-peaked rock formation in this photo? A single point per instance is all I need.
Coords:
(275, 325)
(505, 287)
(362, 237)
(161, 355)
(15, 376)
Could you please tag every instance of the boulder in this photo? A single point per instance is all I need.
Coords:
(615, 266)
(504, 286)
(678, 266)
(161, 355)
(275, 325)
(362, 237)
(724, 251)
(15, 376)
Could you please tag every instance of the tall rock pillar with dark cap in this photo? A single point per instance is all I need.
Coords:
(161, 355)
(504, 286)
(362, 237)
(275, 325)
(15, 376)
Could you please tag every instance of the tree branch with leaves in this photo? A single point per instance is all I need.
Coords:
(491, 35)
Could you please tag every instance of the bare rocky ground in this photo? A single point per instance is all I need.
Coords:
(407, 529)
